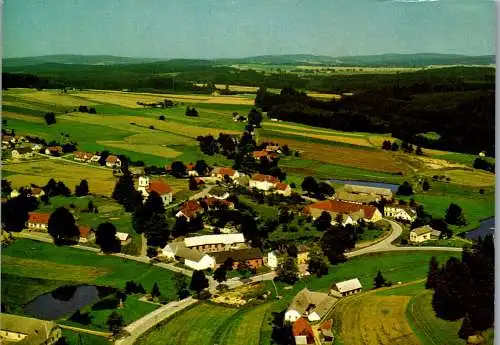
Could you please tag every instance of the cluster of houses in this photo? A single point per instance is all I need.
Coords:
(112, 161)
(310, 308)
(21, 147)
(39, 222)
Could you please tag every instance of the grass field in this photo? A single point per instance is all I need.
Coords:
(32, 259)
(74, 338)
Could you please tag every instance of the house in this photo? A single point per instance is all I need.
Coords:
(283, 189)
(113, 161)
(239, 118)
(216, 243)
(251, 256)
(216, 204)
(325, 331)
(423, 233)
(263, 182)
(482, 154)
(376, 192)
(272, 260)
(309, 304)
(192, 258)
(356, 198)
(345, 288)
(38, 221)
(15, 193)
(145, 186)
(94, 160)
(400, 212)
(302, 332)
(190, 170)
(86, 234)
(7, 139)
(37, 192)
(264, 154)
(123, 237)
(242, 181)
(189, 210)
(356, 210)
(36, 147)
(136, 171)
(53, 150)
(220, 172)
(15, 329)
(80, 156)
(273, 148)
(22, 153)
(199, 181)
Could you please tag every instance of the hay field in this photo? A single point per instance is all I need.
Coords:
(55, 98)
(324, 96)
(101, 181)
(11, 115)
(142, 148)
(336, 138)
(319, 130)
(369, 319)
(370, 160)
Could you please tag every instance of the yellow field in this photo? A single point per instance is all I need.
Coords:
(10, 115)
(324, 96)
(142, 148)
(474, 178)
(55, 98)
(130, 99)
(337, 138)
(318, 130)
(101, 181)
(369, 319)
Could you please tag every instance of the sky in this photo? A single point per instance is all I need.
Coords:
(242, 28)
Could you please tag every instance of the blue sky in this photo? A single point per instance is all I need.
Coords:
(239, 28)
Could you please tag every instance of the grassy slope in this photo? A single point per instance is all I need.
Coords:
(75, 338)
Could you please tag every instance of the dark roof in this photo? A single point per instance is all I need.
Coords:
(238, 255)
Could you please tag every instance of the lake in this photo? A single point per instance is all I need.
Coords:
(487, 227)
(64, 300)
(391, 186)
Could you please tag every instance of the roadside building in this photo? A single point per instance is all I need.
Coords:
(309, 304)
(283, 189)
(15, 329)
(87, 234)
(263, 182)
(325, 331)
(378, 193)
(216, 243)
(251, 256)
(38, 221)
(54, 150)
(123, 237)
(423, 233)
(146, 186)
(94, 160)
(22, 153)
(81, 156)
(220, 172)
(345, 288)
(189, 210)
(302, 332)
(334, 207)
(400, 212)
(113, 161)
(191, 258)
(212, 203)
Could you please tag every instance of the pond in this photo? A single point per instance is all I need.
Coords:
(487, 227)
(65, 300)
(391, 186)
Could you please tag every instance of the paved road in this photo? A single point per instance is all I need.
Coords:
(85, 330)
(139, 327)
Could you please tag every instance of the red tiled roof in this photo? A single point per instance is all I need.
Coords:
(267, 178)
(83, 155)
(6, 137)
(39, 218)
(342, 207)
(55, 148)
(190, 166)
(327, 325)
(211, 201)
(36, 190)
(199, 180)
(302, 327)
(111, 159)
(260, 154)
(227, 171)
(159, 187)
(281, 186)
(190, 208)
(84, 231)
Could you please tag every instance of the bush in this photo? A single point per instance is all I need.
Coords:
(106, 303)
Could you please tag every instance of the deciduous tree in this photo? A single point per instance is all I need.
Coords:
(62, 227)
(106, 238)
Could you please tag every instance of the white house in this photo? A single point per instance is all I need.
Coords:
(400, 212)
(347, 287)
(346, 220)
(220, 172)
(263, 182)
(145, 186)
(216, 243)
(423, 233)
(38, 221)
(113, 162)
(312, 305)
(192, 258)
(272, 260)
(283, 189)
(123, 237)
(22, 152)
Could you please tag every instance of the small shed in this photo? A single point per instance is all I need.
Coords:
(347, 287)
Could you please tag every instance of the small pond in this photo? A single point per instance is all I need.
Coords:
(487, 227)
(65, 300)
(391, 186)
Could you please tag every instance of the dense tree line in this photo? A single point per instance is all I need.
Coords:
(464, 288)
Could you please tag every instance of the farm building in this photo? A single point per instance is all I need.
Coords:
(136, 171)
(189, 210)
(216, 204)
(35, 147)
(7, 139)
(325, 329)
(80, 156)
(273, 148)
(220, 172)
(146, 186)
(309, 304)
(347, 287)
(302, 254)
(218, 193)
(272, 260)
(22, 153)
(357, 198)
(192, 258)
(378, 193)
(86, 234)
(113, 161)
(38, 221)
(356, 210)
(251, 256)
(263, 182)
(302, 332)
(123, 237)
(264, 154)
(400, 212)
(15, 329)
(190, 170)
(95, 160)
(216, 243)
(423, 233)
(53, 150)
(283, 189)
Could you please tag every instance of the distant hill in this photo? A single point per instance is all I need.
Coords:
(74, 60)
(383, 60)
